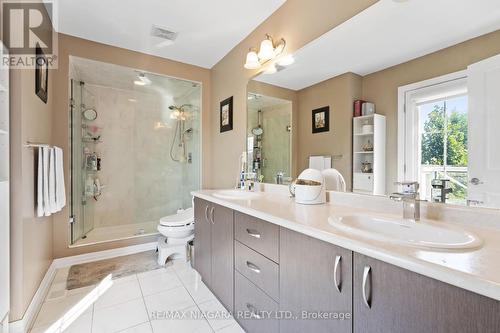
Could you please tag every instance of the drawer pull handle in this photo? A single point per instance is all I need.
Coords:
(212, 215)
(253, 311)
(253, 233)
(367, 280)
(337, 273)
(206, 213)
(253, 267)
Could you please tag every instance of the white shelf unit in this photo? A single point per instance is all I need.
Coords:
(4, 194)
(373, 182)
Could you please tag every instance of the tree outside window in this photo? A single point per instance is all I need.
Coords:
(444, 143)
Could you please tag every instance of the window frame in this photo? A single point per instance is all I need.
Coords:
(408, 156)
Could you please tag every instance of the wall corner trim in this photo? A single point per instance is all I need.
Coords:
(24, 325)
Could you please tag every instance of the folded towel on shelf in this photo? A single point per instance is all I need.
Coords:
(334, 181)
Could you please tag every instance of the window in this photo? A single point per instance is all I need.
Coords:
(433, 137)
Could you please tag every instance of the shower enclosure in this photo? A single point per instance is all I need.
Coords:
(135, 149)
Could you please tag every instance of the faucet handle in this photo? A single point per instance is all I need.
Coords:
(409, 186)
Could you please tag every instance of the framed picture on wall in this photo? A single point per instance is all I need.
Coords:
(321, 120)
(226, 115)
(41, 74)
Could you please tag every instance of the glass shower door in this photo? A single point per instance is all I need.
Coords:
(82, 206)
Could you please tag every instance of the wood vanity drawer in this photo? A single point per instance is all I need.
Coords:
(259, 235)
(255, 311)
(264, 273)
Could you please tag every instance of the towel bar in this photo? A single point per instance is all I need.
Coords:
(36, 144)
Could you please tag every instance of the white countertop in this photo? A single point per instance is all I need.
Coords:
(476, 270)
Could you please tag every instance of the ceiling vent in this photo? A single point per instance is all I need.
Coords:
(166, 35)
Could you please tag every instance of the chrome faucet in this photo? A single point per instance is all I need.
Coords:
(410, 198)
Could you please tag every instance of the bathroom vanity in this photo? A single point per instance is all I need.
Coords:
(280, 267)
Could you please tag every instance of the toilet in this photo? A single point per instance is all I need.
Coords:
(176, 231)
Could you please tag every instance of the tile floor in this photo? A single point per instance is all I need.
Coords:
(171, 299)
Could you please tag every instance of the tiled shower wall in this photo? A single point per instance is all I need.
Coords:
(141, 182)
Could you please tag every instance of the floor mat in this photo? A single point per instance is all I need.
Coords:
(91, 273)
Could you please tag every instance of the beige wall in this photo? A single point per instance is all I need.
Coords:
(339, 94)
(69, 45)
(30, 237)
(382, 87)
(299, 22)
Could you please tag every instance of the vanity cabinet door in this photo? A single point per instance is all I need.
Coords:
(391, 299)
(310, 271)
(222, 283)
(203, 240)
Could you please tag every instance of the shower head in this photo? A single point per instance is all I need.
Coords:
(180, 108)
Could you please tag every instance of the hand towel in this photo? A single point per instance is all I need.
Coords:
(334, 181)
(320, 162)
(45, 180)
(52, 181)
(60, 188)
(39, 184)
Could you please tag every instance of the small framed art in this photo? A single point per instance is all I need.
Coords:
(321, 120)
(226, 115)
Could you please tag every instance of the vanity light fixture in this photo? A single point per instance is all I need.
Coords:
(269, 51)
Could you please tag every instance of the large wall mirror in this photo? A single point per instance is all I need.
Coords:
(407, 101)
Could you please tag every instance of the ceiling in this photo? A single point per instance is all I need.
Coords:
(120, 77)
(207, 29)
(386, 34)
(257, 101)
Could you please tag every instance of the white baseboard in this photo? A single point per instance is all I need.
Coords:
(24, 324)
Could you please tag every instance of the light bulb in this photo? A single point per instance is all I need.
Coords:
(252, 61)
(266, 51)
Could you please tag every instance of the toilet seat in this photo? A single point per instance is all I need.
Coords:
(182, 218)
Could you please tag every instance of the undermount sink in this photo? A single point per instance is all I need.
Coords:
(236, 194)
(398, 231)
